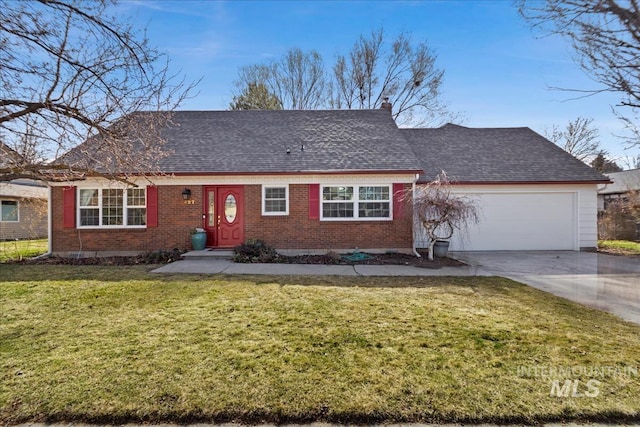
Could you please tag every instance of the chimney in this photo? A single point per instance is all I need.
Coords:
(386, 105)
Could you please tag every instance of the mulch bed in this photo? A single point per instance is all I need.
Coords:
(373, 259)
(328, 259)
(619, 252)
(158, 257)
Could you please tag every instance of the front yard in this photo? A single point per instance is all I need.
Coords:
(619, 247)
(117, 345)
(15, 250)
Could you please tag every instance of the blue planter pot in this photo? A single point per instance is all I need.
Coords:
(199, 241)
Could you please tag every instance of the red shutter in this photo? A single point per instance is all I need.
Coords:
(69, 207)
(314, 201)
(398, 200)
(152, 206)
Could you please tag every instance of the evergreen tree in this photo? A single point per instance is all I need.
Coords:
(255, 96)
(604, 165)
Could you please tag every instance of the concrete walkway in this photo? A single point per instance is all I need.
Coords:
(606, 282)
(228, 267)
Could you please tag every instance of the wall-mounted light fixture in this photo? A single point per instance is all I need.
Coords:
(186, 194)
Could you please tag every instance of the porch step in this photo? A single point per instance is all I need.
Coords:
(209, 254)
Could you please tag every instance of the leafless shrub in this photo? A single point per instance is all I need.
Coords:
(441, 211)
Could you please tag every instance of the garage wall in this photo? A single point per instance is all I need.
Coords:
(529, 217)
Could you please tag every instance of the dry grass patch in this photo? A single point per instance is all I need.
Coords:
(15, 250)
(117, 344)
(622, 247)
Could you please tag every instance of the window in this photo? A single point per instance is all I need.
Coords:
(356, 202)
(9, 211)
(112, 207)
(275, 200)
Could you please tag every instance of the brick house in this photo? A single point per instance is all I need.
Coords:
(298, 180)
(305, 182)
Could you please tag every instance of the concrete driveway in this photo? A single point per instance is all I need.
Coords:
(606, 282)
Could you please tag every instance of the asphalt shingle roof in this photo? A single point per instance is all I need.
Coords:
(267, 142)
(491, 155)
(257, 142)
(622, 182)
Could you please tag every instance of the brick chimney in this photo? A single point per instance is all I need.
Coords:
(386, 105)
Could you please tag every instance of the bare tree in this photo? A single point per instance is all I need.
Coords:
(440, 211)
(606, 35)
(630, 162)
(579, 138)
(71, 71)
(404, 72)
(298, 79)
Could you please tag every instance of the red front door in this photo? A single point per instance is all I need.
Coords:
(224, 215)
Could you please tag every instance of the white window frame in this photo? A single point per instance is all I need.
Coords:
(356, 203)
(286, 195)
(125, 208)
(17, 209)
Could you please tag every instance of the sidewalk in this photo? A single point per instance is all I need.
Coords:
(219, 266)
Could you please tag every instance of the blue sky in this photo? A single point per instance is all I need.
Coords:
(498, 73)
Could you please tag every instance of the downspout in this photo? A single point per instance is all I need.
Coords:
(602, 187)
(49, 225)
(49, 222)
(413, 218)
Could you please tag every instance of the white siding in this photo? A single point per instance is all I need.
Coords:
(529, 217)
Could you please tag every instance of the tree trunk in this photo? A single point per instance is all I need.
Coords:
(432, 243)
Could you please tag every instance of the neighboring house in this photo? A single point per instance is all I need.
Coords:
(313, 181)
(622, 183)
(23, 210)
(616, 202)
(23, 203)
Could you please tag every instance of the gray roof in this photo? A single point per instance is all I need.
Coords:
(495, 155)
(622, 182)
(257, 141)
(309, 141)
(7, 154)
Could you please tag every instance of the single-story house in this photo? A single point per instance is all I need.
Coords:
(313, 181)
(621, 194)
(23, 210)
(622, 183)
(23, 204)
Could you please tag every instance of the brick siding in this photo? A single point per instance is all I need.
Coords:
(175, 219)
(297, 231)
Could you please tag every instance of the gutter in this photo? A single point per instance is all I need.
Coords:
(602, 187)
(598, 182)
(413, 218)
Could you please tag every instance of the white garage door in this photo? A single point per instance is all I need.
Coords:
(521, 221)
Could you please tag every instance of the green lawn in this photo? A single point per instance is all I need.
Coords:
(13, 250)
(117, 345)
(620, 246)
